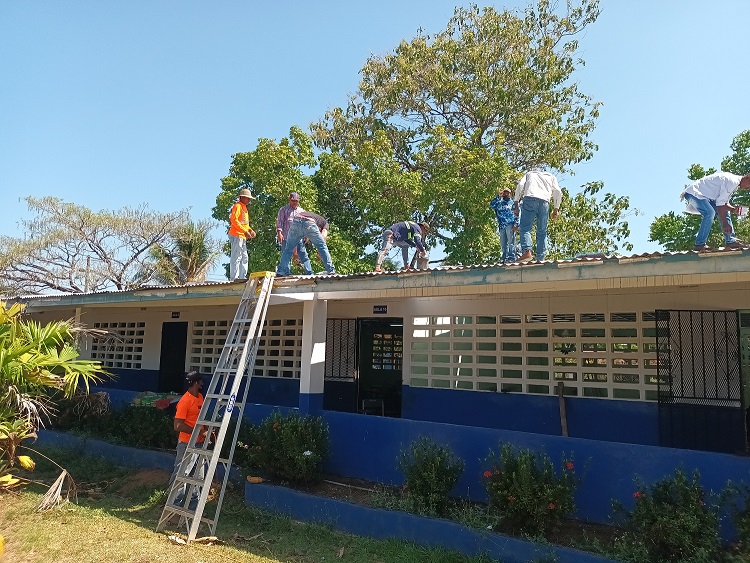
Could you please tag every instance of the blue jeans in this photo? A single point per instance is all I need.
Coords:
(534, 208)
(304, 259)
(707, 209)
(508, 242)
(301, 229)
(238, 261)
(199, 473)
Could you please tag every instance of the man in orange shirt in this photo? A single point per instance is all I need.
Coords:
(185, 418)
(239, 232)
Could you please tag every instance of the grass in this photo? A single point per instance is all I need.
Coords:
(115, 516)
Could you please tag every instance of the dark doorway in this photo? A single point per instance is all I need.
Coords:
(340, 390)
(699, 381)
(172, 358)
(381, 352)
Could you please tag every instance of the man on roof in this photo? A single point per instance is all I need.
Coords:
(534, 192)
(406, 234)
(306, 226)
(239, 232)
(507, 223)
(284, 219)
(709, 197)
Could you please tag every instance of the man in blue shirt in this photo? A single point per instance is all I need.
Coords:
(507, 223)
(405, 235)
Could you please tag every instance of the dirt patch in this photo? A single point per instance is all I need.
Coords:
(143, 479)
(341, 488)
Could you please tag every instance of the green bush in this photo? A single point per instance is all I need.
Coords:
(737, 497)
(289, 448)
(430, 472)
(139, 427)
(671, 521)
(526, 493)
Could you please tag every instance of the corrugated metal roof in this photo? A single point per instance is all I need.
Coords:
(295, 281)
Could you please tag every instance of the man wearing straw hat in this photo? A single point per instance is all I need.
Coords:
(239, 232)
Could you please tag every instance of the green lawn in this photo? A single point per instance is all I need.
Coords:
(117, 510)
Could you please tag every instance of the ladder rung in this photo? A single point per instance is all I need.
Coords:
(216, 396)
(200, 451)
(186, 512)
(190, 480)
(206, 422)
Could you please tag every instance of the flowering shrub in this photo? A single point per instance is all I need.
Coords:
(430, 470)
(672, 520)
(290, 448)
(526, 492)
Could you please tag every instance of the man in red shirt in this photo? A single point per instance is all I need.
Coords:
(185, 418)
(239, 232)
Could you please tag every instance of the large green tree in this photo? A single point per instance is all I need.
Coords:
(442, 123)
(676, 231)
(70, 248)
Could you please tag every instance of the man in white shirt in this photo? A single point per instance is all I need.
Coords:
(534, 191)
(709, 197)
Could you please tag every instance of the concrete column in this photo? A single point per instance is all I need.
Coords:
(312, 369)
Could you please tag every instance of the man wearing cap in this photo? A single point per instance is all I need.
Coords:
(709, 197)
(188, 409)
(405, 235)
(306, 226)
(534, 191)
(507, 223)
(284, 219)
(239, 232)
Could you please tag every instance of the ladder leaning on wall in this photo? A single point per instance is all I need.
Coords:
(220, 405)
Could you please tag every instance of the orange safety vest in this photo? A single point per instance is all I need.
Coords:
(239, 220)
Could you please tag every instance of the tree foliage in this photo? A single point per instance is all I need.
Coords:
(70, 248)
(444, 122)
(186, 257)
(676, 231)
(599, 225)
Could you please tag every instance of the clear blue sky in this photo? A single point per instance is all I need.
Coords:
(109, 104)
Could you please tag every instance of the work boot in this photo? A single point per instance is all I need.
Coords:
(526, 257)
(701, 248)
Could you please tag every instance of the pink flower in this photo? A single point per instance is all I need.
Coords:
(569, 465)
(275, 425)
(551, 506)
(488, 474)
(637, 494)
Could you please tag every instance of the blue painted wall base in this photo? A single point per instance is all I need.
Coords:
(385, 524)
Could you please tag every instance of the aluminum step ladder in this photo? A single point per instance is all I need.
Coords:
(223, 401)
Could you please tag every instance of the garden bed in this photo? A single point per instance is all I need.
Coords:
(378, 523)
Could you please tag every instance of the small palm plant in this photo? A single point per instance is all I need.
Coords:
(188, 257)
(35, 360)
